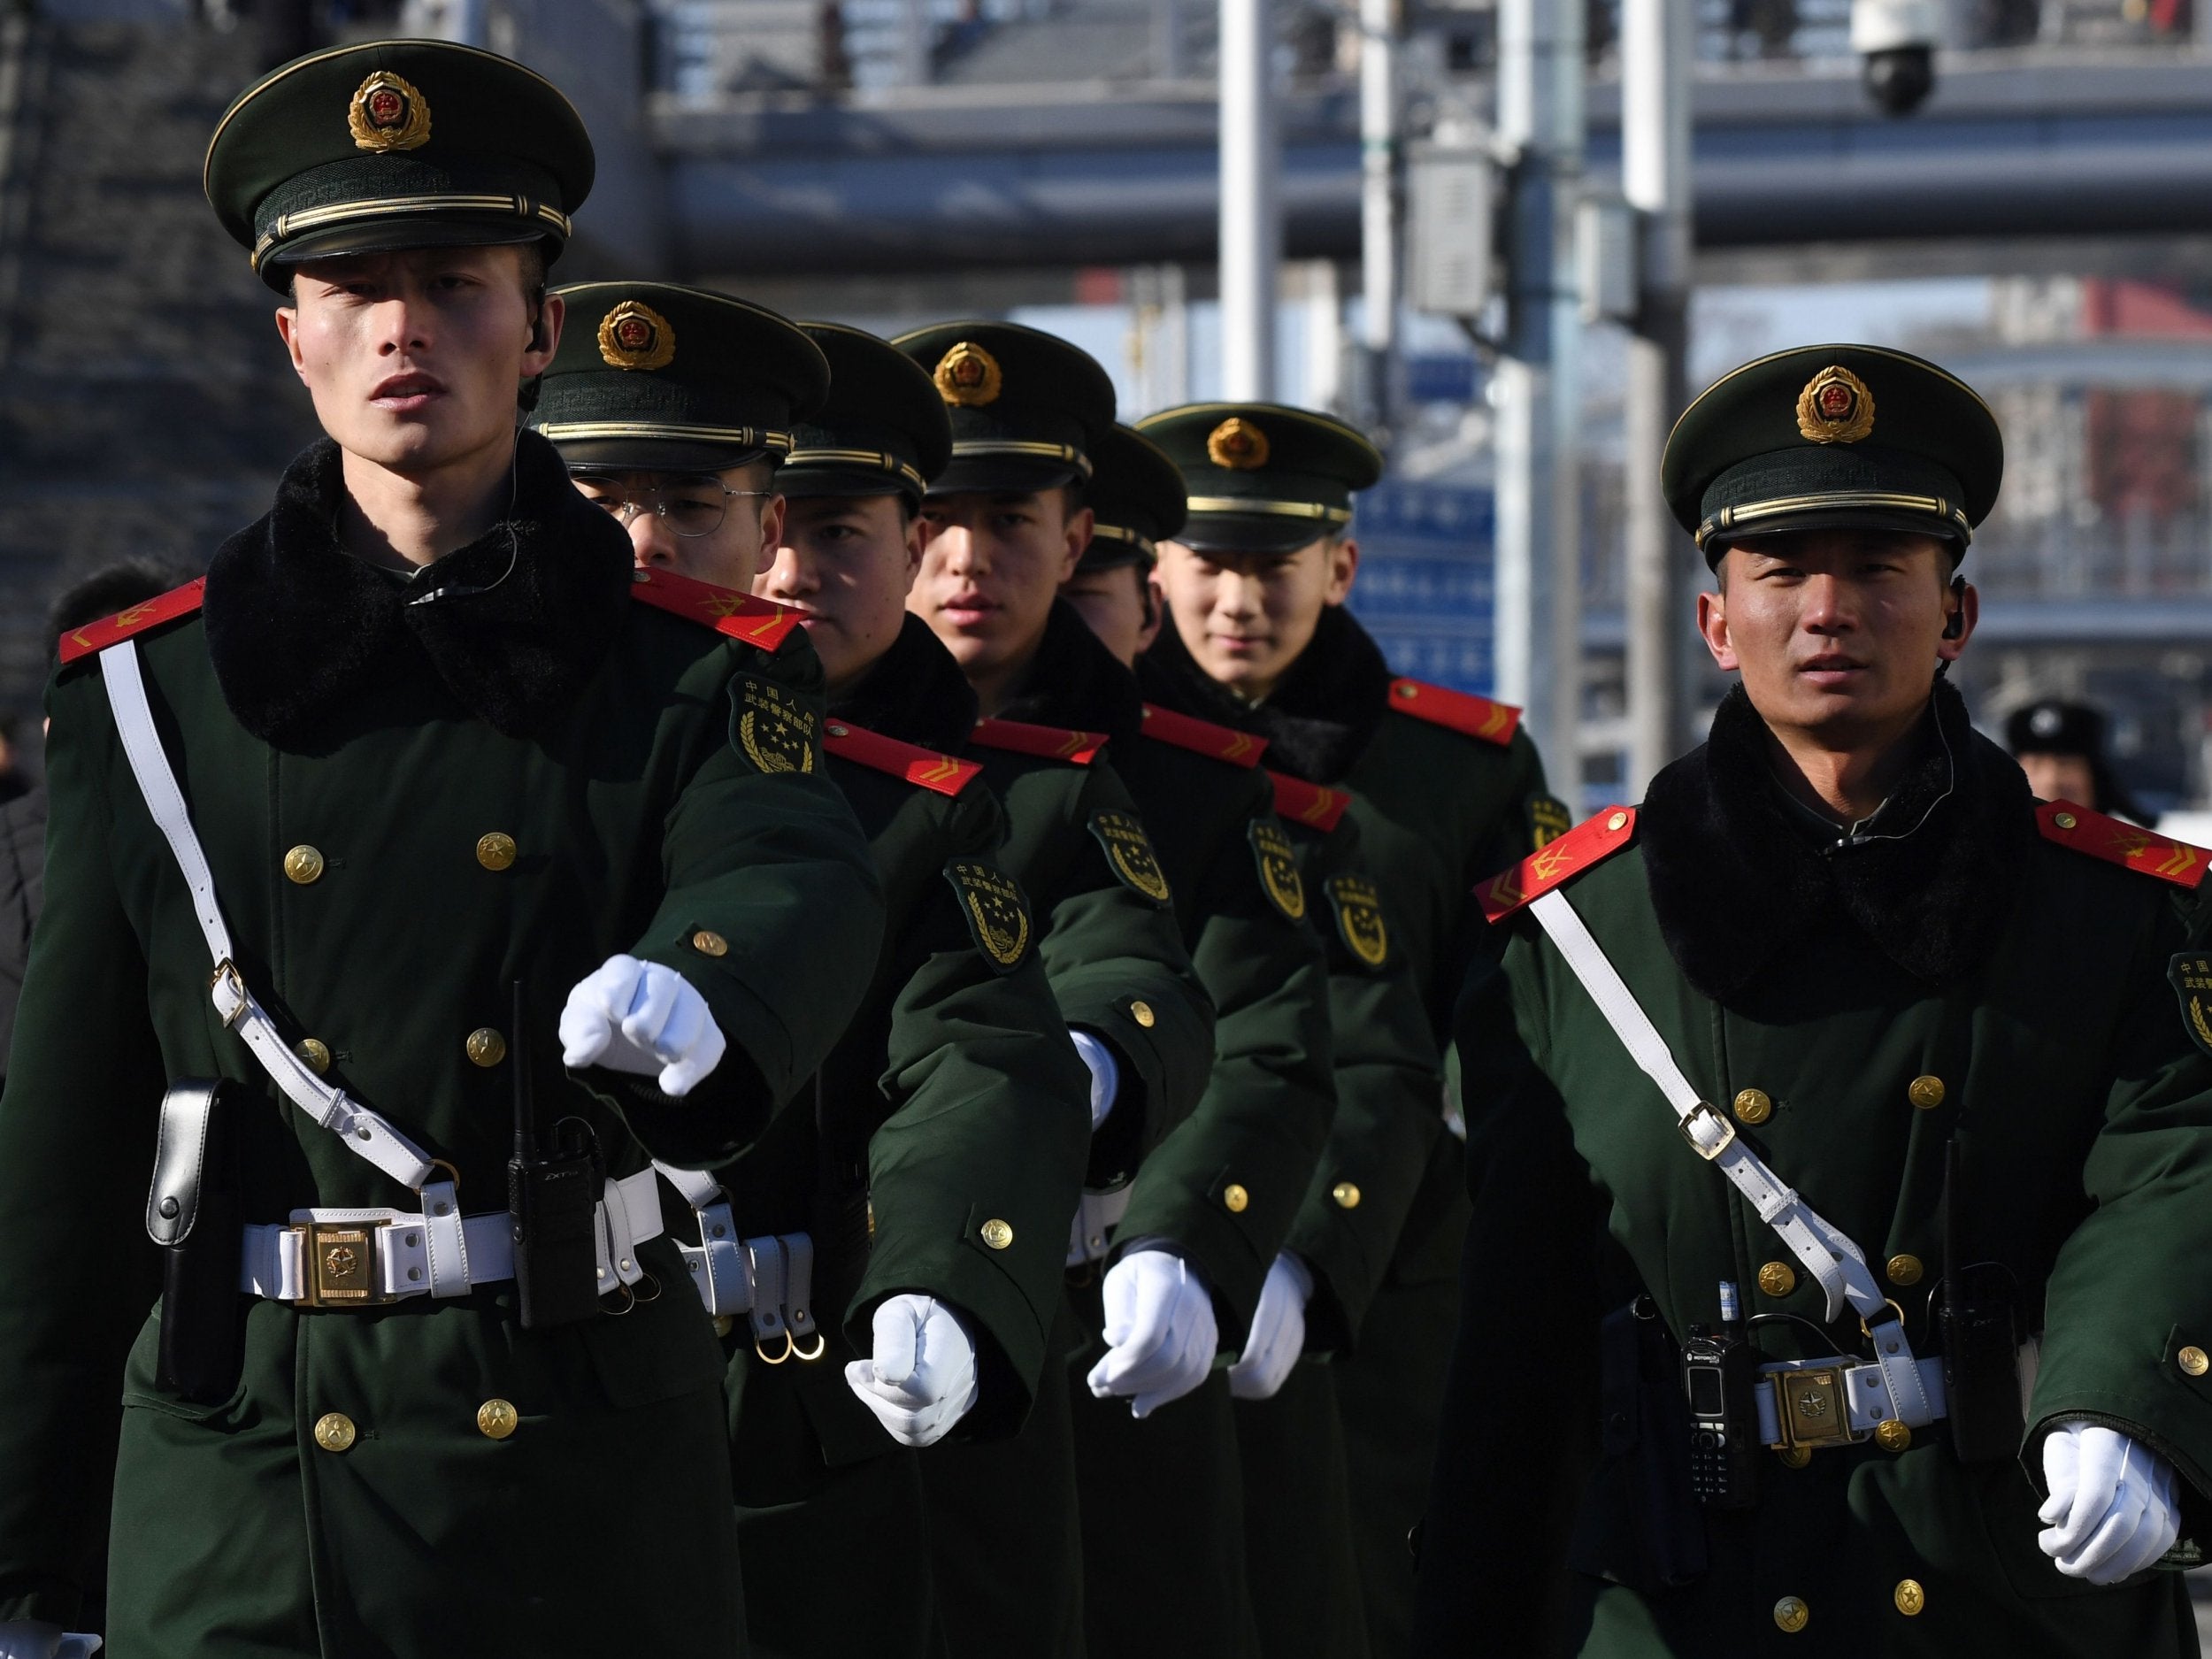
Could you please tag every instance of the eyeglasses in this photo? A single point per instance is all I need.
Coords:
(689, 507)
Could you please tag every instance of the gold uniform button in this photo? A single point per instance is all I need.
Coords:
(2193, 1360)
(1892, 1435)
(495, 851)
(1617, 821)
(487, 1047)
(334, 1431)
(1791, 1615)
(1910, 1597)
(1778, 1278)
(1925, 1093)
(1235, 1199)
(497, 1419)
(316, 1053)
(1795, 1457)
(1141, 1012)
(998, 1234)
(1752, 1106)
(2064, 820)
(1347, 1196)
(1904, 1270)
(303, 865)
(707, 942)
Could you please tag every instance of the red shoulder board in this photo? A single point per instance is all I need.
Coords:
(1203, 737)
(1310, 804)
(761, 622)
(1589, 843)
(1049, 742)
(1459, 711)
(97, 636)
(924, 768)
(2122, 844)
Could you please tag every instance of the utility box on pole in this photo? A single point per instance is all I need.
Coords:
(1450, 193)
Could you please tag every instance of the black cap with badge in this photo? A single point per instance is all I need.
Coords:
(1263, 478)
(665, 378)
(395, 144)
(1833, 437)
(1025, 405)
(883, 431)
(1136, 498)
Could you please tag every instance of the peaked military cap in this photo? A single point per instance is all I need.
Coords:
(675, 380)
(1136, 496)
(2053, 728)
(1833, 437)
(1263, 478)
(395, 144)
(883, 431)
(1025, 405)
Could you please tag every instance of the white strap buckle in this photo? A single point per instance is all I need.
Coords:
(1707, 1131)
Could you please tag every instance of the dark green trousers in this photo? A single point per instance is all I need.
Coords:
(1301, 1565)
(1162, 1503)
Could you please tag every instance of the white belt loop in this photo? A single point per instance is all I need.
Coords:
(1090, 1233)
(766, 1258)
(798, 1299)
(445, 1240)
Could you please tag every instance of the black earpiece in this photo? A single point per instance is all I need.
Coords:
(537, 320)
(1955, 624)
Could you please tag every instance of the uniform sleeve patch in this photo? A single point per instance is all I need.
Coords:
(1278, 869)
(2191, 976)
(1129, 854)
(1359, 918)
(1547, 821)
(997, 911)
(773, 728)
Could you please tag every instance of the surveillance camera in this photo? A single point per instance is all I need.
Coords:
(1897, 38)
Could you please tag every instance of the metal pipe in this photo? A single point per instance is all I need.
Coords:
(1378, 185)
(1251, 231)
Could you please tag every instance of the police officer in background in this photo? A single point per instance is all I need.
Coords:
(2062, 747)
(1837, 1261)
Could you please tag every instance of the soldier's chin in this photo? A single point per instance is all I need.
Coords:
(412, 443)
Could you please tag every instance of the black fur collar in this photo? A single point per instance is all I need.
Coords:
(914, 692)
(1075, 681)
(297, 629)
(1320, 718)
(1736, 880)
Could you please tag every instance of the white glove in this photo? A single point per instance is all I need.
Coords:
(922, 1378)
(1160, 1331)
(1278, 1336)
(2112, 1509)
(640, 1017)
(36, 1639)
(1105, 1075)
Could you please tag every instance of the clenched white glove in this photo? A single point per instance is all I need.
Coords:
(1160, 1331)
(921, 1379)
(2112, 1509)
(1278, 1336)
(36, 1639)
(640, 1017)
(1105, 1075)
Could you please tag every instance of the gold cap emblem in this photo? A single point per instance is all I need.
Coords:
(1237, 445)
(388, 114)
(1835, 407)
(968, 377)
(636, 337)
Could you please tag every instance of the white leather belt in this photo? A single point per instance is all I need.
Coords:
(770, 1277)
(1096, 1215)
(1834, 1403)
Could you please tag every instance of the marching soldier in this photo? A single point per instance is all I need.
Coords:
(1441, 784)
(921, 1189)
(1837, 1261)
(1161, 1497)
(415, 791)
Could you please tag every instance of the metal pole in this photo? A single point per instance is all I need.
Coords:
(1538, 501)
(1378, 204)
(1658, 42)
(1251, 214)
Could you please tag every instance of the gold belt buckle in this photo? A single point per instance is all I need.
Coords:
(1813, 1408)
(342, 1265)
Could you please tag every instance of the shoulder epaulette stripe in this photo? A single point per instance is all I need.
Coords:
(1314, 804)
(1049, 742)
(1456, 710)
(2141, 850)
(924, 768)
(1203, 737)
(761, 622)
(1589, 843)
(97, 636)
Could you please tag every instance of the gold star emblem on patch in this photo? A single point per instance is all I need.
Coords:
(1359, 918)
(771, 729)
(1237, 445)
(1129, 852)
(1835, 407)
(997, 913)
(388, 112)
(633, 336)
(968, 377)
(1278, 869)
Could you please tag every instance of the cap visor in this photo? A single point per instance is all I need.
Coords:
(1252, 533)
(1002, 474)
(1838, 518)
(445, 230)
(654, 455)
(832, 480)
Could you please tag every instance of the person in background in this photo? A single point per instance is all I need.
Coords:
(2061, 746)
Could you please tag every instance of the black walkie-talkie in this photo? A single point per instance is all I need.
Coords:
(1979, 1322)
(1718, 1372)
(552, 1195)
